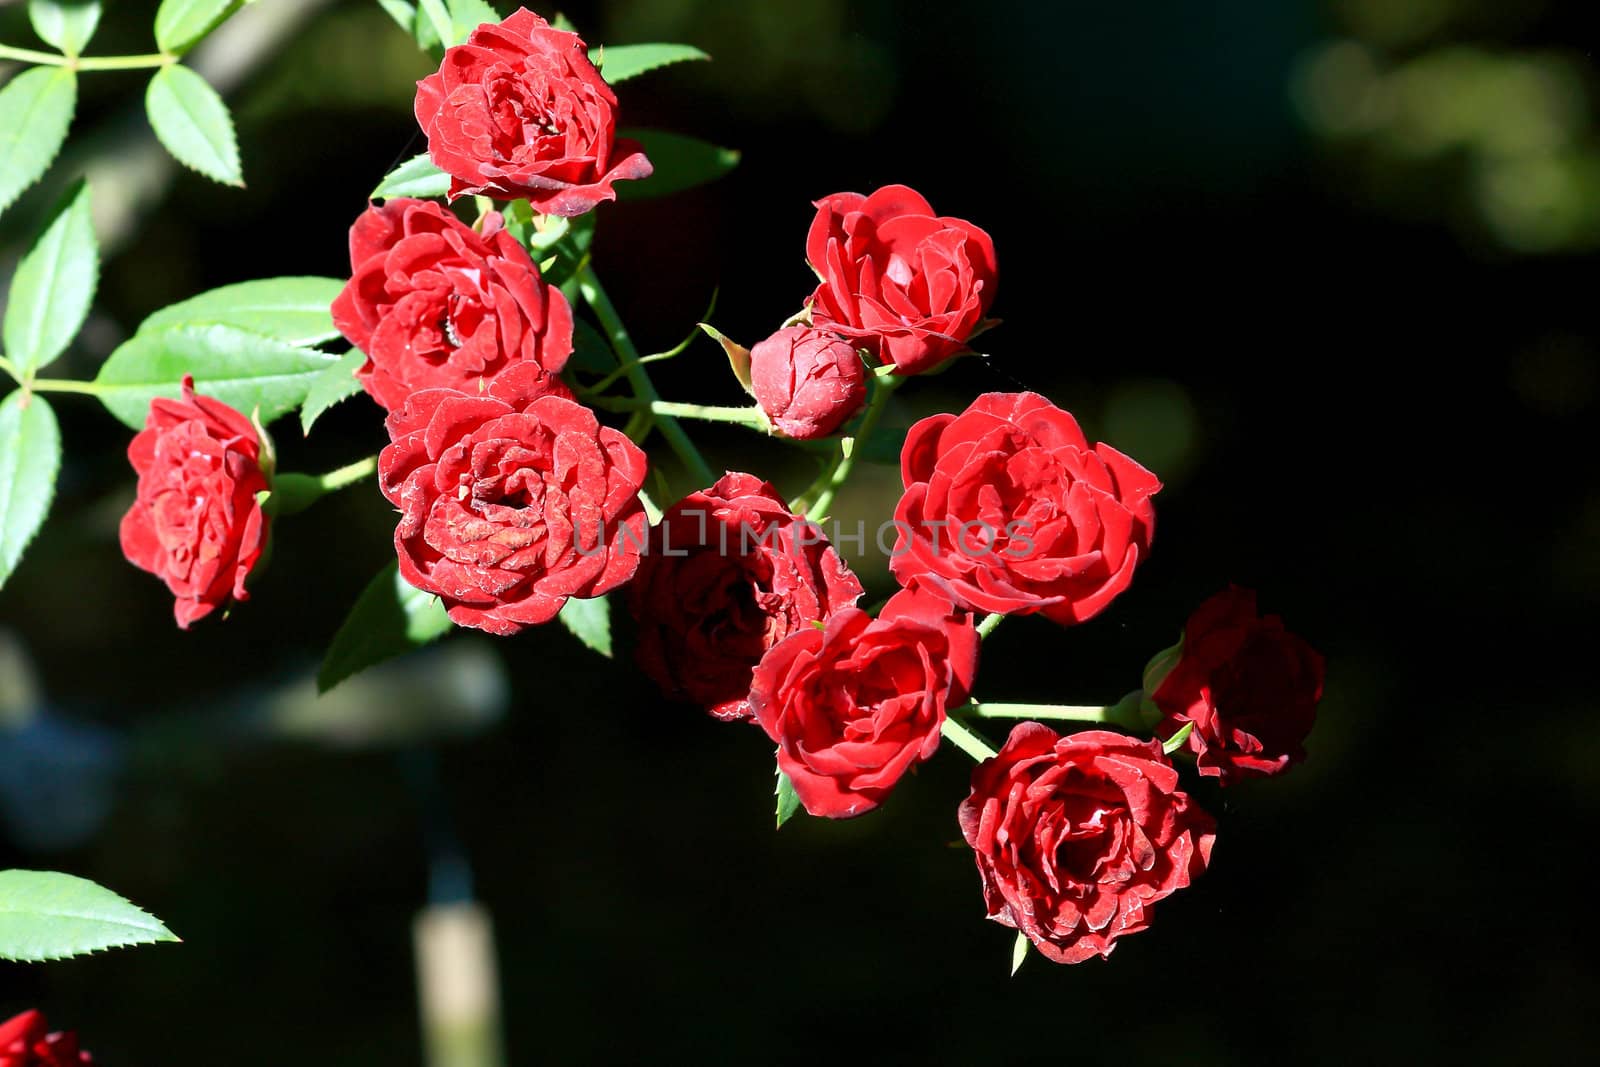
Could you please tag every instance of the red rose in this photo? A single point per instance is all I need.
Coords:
(196, 524)
(25, 1041)
(435, 304)
(897, 279)
(730, 572)
(519, 113)
(504, 514)
(1009, 504)
(1249, 686)
(854, 705)
(1076, 837)
(808, 382)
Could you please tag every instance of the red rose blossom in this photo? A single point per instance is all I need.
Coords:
(504, 514)
(1010, 505)
(1249, 686)
(26, 1041)
(902, 282)
(435, 304)
(731, 571)
(808, 382)
(854, 705)
(1076, 837)
(519, 112)
(195, 523)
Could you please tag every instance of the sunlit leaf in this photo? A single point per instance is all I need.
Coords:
(390, 617)
(417, 177)
(53, 286)
(193, 122)
(30, 458)
(624, 61)
(67, 24)
(788, 799)
(293, 310)
(180, 24)
(331, 386)
(35, 110)
(45, 915)
(590, 621)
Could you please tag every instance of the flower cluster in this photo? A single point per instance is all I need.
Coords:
(515, 497)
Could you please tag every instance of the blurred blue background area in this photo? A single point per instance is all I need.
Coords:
(1326, 266)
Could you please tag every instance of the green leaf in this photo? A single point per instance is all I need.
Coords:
(625, 61)
(67, 24)
(291, 310)
(680, 161)
(35, 111)
(193, 122)
(403, 12)
(1019, 952)
(788, 799)
(53, 286)
(180, 24)
(590, 621)
(416, 177)
(242, 369)
(45, 915)
(437, 17)
(390, 617)
(1175, 742)
(468, 15)
(30, 457)
(331, 386)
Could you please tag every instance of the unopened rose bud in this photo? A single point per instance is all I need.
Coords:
(808, 382)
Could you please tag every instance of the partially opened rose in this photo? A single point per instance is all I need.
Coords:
(853, 706)
(906, 284)
(505, 514)
(731, 572)
(1076, 837)
(27, 1041)
(1010, 505)
(1249, 686)
(519, 112)
(435, 304)
(196, 523)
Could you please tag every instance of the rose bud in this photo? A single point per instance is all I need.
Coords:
(731, 572)
(1009, 504)
(1076, 837)
(1249, 686)
(196, 523)
(435, 304)
(26, 1041)
(808, 382)
(504, 514)
(853, 706)
(519, 112)
(898, 280)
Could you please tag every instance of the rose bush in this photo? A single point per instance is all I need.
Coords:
(519, 112)
(1009, 504)
(434, 303)
(504, 514)
(731, 572)
(1249, 686)
(808, 382)
(1076, 837)
(196, 523)
(908, 285)
(853, 706)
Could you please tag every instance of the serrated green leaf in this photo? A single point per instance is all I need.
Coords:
(180, 24)
(417, 177)
(788, 799)
(1175, 742)
(67, 24)
(680, 161)
(390, 618)
(193, 123)
(293, 310)
(45, 915)
(242, 369)
(331, 386)
(35, 110)
(590, 622)
(1019, 952)
(625, 61)
(30, 458)
(53, 286)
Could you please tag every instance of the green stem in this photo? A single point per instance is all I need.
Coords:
(1075, 713)
(850, 448)
(652, 511)
(10, 368)
(990, 624)
(54, 59)
(348, 474)
(65, 385)
(751, 417)
(638, 376)
(967, 741)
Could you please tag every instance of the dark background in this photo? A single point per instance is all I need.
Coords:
(1325, 267)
